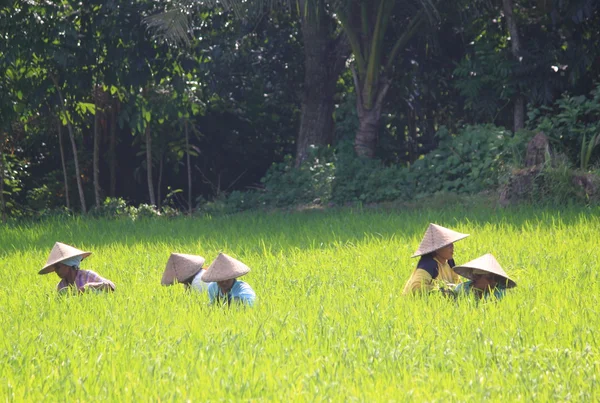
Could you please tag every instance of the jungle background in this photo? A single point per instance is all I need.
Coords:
(161, 108)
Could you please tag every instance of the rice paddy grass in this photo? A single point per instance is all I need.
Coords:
(330, 323)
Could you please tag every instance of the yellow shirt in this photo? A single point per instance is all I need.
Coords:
(429, 273)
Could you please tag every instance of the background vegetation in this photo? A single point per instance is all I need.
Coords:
(196, 105)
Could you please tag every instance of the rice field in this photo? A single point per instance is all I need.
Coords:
(329, 324)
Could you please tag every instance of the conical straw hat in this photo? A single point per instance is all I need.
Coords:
(437, 237)
(224, 268)
(181, 267)
(59, 253)
(486, 263)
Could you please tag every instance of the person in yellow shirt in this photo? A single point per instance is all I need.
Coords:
(434, 269)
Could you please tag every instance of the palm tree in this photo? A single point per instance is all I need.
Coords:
(326, 51)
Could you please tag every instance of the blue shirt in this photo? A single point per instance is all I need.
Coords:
(465, 289)
(240, 291)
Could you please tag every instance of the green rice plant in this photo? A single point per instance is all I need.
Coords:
(586, 150)
(330, 323)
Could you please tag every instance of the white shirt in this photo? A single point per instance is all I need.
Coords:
(198, 284)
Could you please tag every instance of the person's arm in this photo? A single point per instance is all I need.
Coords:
(244, 294)
(98, 286)
(212, 292)
(420, 281)
(95, 282)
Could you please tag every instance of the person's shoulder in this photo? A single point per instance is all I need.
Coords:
(463, 287)
(198, 278)
(242, 285)
(428, 264)
(89, 274)
(243, 288)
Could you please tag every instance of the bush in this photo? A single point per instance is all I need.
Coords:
(570, 123)
(469, 162)
(311, 182)
(112, 207)
(466, 163)
(146, 211)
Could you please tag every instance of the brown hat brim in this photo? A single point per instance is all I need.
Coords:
(49, 267)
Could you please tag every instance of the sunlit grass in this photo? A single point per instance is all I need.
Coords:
(329, 324)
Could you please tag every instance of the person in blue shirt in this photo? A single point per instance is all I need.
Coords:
(486, 277)
(224, 287)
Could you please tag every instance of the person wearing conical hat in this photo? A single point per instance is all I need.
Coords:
(436, 261)
(64, 260)
(224, 285)
(486, 278)
(186, 270)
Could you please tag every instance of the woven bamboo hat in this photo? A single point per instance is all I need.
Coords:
(59, 253)
(224, 268)
(436, 237)
(484, 264)
(181, 267)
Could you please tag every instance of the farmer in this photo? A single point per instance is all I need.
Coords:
(486, 278)
(186, 270)
(224, 286)
(65, 260)
(436, 263)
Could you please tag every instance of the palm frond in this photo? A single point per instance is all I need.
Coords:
(172, 26)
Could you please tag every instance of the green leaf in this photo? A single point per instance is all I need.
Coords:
(84, 107)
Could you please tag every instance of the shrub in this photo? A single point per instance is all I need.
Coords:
(570, 123)
(112, 207)
(465, 163)
(146, 211)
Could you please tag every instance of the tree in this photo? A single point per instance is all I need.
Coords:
(326, 51)
(515, 45)
(366, 25)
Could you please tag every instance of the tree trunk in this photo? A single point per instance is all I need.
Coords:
(324, 59)
(64, 165)
(515, 45)
(365, 141)
(73, 145)
(519, 113)
(112, 153)
(158, 186)
(149, 164)
(77, 173)
(96, 158)
(189, 168)
(2, 203)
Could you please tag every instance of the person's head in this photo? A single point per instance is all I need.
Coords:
(445, 253)
(182, 268)
(63, 260)
(226, 285)
(188, 281)
(484, 280)
(485, 273)
(224, 270)
(66, 272)
(439, 242)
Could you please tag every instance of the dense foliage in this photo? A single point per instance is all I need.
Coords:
(95, 101)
